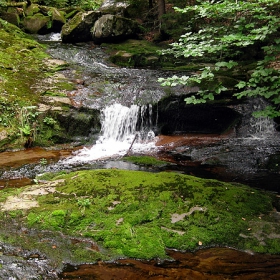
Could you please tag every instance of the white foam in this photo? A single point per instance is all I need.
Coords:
(119, 135)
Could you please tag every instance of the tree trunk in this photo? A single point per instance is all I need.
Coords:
(161, 8)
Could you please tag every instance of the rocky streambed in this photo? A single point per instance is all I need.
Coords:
(74, 229)
(95, 220)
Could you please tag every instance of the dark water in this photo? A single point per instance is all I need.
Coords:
(206, 264)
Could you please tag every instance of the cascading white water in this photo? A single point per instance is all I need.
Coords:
(262, 127)
(254, 128)
(119, 131)
(119, 122)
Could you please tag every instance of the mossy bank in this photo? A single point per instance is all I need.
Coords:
(115, 213)
(28, 76)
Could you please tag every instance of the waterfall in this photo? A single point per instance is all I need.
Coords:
(119, 122)
(255, 127)
(121, 127)
(262, 127)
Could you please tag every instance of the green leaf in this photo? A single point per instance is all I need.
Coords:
(194, 100)
(225, 30)
(229, 64)
(241, 84)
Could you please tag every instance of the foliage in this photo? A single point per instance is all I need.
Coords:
(49, 121)
(7, 112)
(83, 4)
(224, 32)
(27, 117)
(3, 3)
(43, 161)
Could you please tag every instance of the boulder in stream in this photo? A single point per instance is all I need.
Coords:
(34, 24)
(111, 28)
(43, 20)
(78, 28)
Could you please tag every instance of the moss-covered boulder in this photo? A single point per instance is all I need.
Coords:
(78, 28)
(134, 53)
(32, 10)
(138, 214)
(43, 19)
(57, 17)
(37, 24)
(11, 17)
(110, 28)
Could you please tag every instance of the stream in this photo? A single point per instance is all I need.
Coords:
(249, 153)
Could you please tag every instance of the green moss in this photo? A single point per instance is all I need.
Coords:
(134, 53)
(130, 213)
(142, 53)
(134, 47)
(23, 71)
(145, 160)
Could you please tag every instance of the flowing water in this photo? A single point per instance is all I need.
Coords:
(125, 97)
(123, 129)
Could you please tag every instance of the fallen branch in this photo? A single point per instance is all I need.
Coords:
(135, 137)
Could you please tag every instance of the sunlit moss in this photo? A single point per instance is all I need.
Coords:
(145, 160)
(140, 214)
(25, 76)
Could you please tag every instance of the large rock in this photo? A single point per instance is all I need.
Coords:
(43, 20)
(36, 24)
(111, 28)
(82, 123)
(58, 18)
(12, 18)
(176, 117)
(78, 28)
(31, 10)
(113, 7)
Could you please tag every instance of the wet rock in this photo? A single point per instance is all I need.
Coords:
(12, 18)
(78, 28)
(13, 267)
(113, 7)
(57, 100)
(272, 163)
(32, 10)
(110, 28)
(34, 24)
(58, 18)
(80, 123)
(175, 117)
